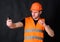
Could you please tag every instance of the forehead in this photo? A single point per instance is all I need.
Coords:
(34, 11)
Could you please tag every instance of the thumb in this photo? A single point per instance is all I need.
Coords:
(8, 18)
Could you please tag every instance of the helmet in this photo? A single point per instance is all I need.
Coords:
(36, 6)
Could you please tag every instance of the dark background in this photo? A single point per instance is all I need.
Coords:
(18, 9)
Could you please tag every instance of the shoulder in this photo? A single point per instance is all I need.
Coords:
(27, 17)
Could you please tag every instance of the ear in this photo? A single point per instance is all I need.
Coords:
(40, 12)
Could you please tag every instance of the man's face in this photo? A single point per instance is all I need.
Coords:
(35, 14)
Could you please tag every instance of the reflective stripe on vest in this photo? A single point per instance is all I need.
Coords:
(32, 37)
(33, 30)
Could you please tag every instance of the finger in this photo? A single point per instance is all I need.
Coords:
(40, 20)
(9, 20)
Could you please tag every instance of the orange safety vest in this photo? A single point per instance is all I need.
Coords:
(32, 32)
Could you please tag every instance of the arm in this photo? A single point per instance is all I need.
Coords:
(47, 28)
(12, 25)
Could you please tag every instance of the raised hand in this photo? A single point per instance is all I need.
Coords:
(42, 22)
(9, 22)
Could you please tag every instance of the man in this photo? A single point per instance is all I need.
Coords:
(34, 26)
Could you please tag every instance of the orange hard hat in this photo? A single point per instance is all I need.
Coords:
(36, 6)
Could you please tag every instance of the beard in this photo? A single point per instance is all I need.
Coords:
(35, 18)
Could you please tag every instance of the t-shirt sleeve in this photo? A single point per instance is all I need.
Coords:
(23, 21)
